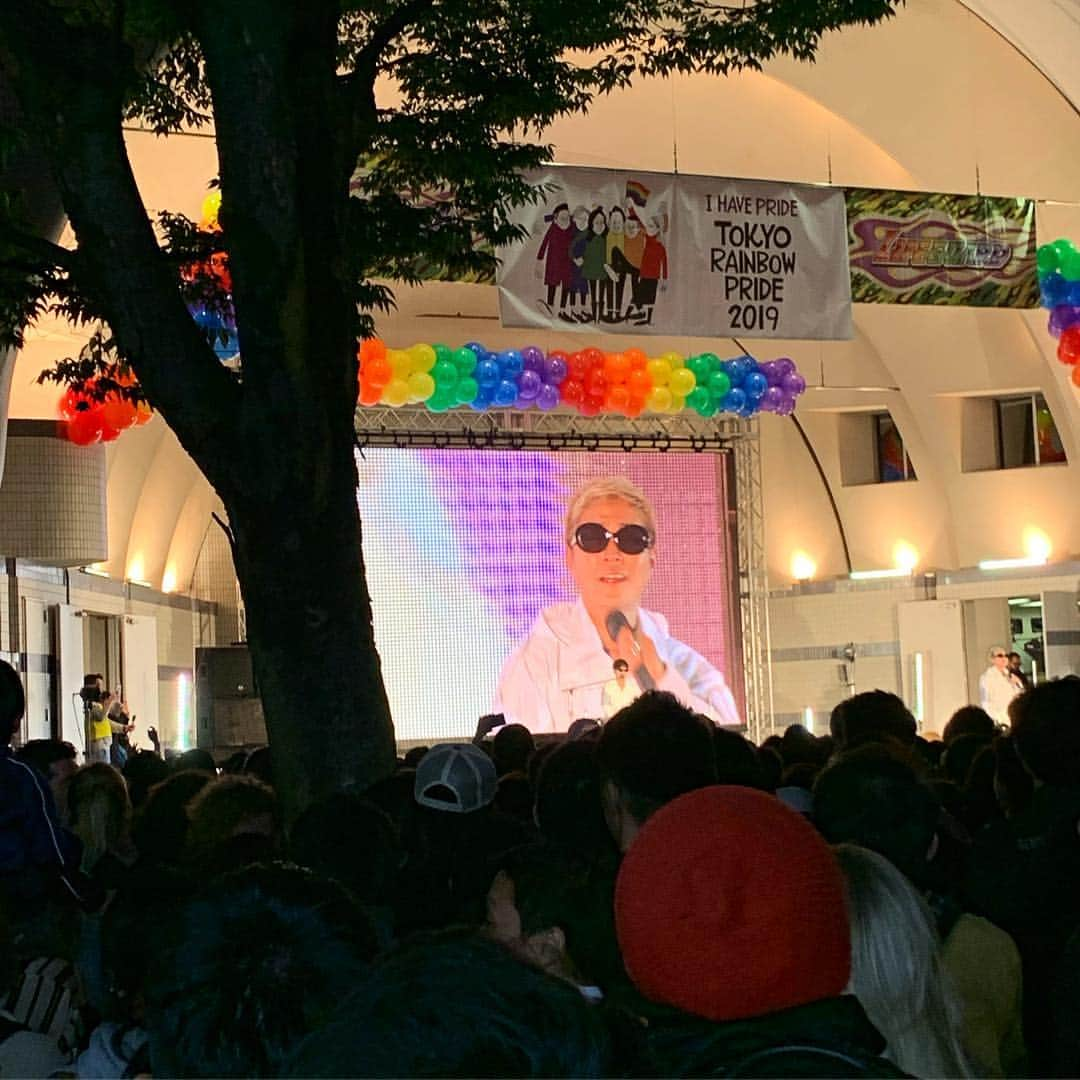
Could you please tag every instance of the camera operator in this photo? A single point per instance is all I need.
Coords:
(106, 719)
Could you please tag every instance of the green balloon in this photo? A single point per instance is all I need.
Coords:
(446, 376)
(1046, 259)
(1070, 265)
(719, 384)
(466, 390)
(439, 402)
(709, 409)
(697, 398)
(464, 361)
(443, 354)
(711, 361)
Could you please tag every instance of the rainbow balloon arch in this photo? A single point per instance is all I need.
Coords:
(590, 382)
(1059, 290)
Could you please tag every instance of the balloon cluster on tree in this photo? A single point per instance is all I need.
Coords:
(96, 413)
(1059, 288)
(590, 381)
(208, 288)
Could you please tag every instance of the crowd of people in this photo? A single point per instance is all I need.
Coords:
(652, 895)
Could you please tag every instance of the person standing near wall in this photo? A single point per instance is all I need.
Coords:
(998, 686)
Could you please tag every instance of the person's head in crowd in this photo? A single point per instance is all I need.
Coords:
(233, 822)
(729, 905)
(871, 716)
(99, 810)
(569, 808)
(736, 759)
(999, 657)
(554, 908)
(980, 798)
(234, 764)
(583, 727)
(650, 752)
(260, 764)
(262, 957)
(797, 785)
(55, 760)
(771, 765)
(896, 967)
(413, 756)
(196, 759)
(1013, 786)
(969, 720)
(459, 1005)
(798, 746)
(514, 796)
(142, 770)
(869, 796)
(960, 752)
(161, 826)
(12, 701)
(511, 749)
(393, 795)
(536, 762)
(1016, 664)
(1045, 725)
(929, 751)
(455, 779)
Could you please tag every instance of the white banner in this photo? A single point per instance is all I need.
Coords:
(694, 256)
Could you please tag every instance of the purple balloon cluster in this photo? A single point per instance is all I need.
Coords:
(517, 378)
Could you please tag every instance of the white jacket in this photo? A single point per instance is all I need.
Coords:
(557, 674)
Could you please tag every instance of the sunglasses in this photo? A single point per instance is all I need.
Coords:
(1000, 656)
(630, 539)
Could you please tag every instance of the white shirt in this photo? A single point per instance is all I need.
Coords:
(996, 690)
(617, 697)
(557, 674)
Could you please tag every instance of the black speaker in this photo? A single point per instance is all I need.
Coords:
(228, 712)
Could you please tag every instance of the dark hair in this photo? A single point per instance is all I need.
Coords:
(959, 755)
(654, 750)
(597, 210)
(569, 799)
(41, 754)
(969, 720)
(414, 756)
(220, 813)
(868, 796)
(142, 771)
(736, 759)
(260, 764)
(870, 716)
(456, 1005)
(511, 749)
(161, 826)
(12, 700)
(1013, 786)
(1046, 730)
(262, 958)
(555, 886)
(196, 758)
(771, 765)
(514, 796)
(620, 664)
(582, 728)
(561, 206)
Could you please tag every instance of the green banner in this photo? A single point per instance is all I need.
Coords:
(969, 250)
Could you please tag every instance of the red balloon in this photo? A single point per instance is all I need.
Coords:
(1076, 376)
(84, 427)
(71, 401)
(596, 385)
(1069, 345)
(594, 357)
(118, 413)
(109, 434)
(572, 391)
(579, 366)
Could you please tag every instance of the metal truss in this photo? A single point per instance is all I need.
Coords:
(753, 584)
(512, 429)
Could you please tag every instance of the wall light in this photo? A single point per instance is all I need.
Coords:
(1036, 544)
(136, 569)
(168, 580)
(872, 575)
(803, 568)
(808, 719)
(905, 557)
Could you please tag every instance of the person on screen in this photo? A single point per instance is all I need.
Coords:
(619, 691)
(558, 673)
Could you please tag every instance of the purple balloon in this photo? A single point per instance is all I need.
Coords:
(794, 384)
(772, 398)
(773, 374)
(1062, 317)
(555, 370)
(529, 383)
(784, 366)
(548, 397)
(533, 358)
(786, 407)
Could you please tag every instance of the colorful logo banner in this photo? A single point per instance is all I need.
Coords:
(654, 253)
(913, 248)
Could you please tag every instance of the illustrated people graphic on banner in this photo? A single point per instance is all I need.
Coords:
(590, 255)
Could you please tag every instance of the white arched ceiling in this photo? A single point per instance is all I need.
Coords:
(950, 95)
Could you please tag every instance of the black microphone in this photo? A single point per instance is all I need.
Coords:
(616, 620)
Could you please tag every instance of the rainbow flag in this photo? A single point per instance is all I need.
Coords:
(637, 192)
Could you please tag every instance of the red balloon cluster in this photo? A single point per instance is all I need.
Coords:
(599, 382)
(90, 421)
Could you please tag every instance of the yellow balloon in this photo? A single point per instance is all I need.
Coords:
(674, 359)
(401, 363)
(677, 404)
(682, 382)
(659, 371)
(210, 207)
(423, 357)
(659, 400)
(396, 392)
(421, 386)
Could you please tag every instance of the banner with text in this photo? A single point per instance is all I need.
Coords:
(912, 248)
(694, 256)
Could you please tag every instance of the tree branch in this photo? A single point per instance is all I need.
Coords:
(45, 250)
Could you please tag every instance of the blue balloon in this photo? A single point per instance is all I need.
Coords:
(487, 373)
(506, 393)
(1072, 294)
(484, 398)
(476, 348)
(734, 400)
(755, 384)
(511, 363)
(1054, 289)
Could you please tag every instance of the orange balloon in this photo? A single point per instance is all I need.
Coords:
(637, 359)
(369, 395)
(372, 349)
(143, 413)
(118, 413)
(1076, 376)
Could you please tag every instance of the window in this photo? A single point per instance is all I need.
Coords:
(891, 456)
(1026, 433)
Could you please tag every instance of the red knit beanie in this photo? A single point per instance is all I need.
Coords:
(730, 905)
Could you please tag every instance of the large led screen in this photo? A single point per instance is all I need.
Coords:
(466, 558)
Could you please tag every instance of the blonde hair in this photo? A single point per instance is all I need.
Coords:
(609, 487)
(896, 970)
(99, 809)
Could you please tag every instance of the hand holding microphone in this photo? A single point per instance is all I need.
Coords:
(634, 646)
